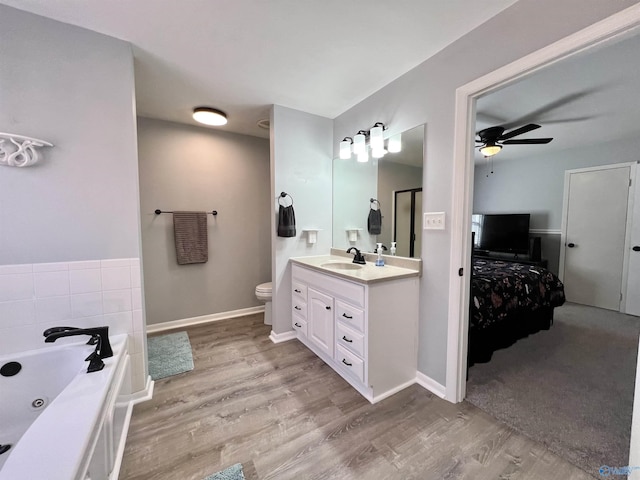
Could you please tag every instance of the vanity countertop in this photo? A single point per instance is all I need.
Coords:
(369, 273)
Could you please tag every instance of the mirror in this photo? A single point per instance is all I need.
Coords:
(395, 181)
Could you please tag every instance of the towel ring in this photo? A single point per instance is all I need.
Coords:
(374, 202)
(282, 196)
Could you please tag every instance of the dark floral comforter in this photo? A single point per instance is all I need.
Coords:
(500, 289)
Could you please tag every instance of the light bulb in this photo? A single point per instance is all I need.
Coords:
(376, 137)
(359, 144)
(345, 149)
(363, 157)
(395, 143)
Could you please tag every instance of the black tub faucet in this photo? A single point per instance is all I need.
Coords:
(103, 346)
(357, 258)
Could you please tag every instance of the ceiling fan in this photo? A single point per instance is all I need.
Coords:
(492, 139)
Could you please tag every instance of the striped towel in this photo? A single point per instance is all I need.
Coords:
(190, 231)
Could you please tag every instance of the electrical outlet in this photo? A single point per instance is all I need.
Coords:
(433, 221)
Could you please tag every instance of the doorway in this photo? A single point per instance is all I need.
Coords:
(406, 223)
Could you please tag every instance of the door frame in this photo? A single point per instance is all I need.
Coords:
(627, 235)
(412, 228)
(618, 26)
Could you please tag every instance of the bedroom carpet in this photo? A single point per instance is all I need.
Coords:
(570, 388)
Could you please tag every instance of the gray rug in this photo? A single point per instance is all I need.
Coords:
(570, 388)
(234, 472)
(169, 355)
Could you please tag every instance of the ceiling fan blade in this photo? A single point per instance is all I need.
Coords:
(527, 141)
(519, 131)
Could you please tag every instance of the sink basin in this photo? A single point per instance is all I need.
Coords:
(341, 266)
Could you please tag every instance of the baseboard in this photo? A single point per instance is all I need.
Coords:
(282, 337)
(393, 391)
(214, 317)
(145, 394)
(430, 384)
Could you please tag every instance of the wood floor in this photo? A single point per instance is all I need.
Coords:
(284, 414)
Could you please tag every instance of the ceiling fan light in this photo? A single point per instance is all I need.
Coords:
(359, 143)
(345, 148)
(209, 116)
(395, 143)
(490, 149)
(376, 138)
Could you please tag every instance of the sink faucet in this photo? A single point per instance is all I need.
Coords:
(103, 347)
(357, 258)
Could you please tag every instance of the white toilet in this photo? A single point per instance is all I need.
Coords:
(263, 293)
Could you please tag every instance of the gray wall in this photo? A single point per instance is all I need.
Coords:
(426, 94)
(190, 168)
(74, 88)
(301, 155)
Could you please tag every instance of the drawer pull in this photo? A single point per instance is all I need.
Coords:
(328, 307)
(346, 339)
(347, 363)
(347, 316)
(298, 325)
(297, 307)
(297, 291)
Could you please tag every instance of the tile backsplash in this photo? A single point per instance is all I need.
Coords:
(83, 294)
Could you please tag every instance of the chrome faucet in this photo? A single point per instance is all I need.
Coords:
(357, 258)
(99, 337)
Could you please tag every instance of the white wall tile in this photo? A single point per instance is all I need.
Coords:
(117, 262)
(136, 342)
(136, 299)
(86, 305)
(84, 265)
(13, 314)
(114, 301)
(134, 262)
(138, 321)
(53, 309)
(135, 277)
(16, 286)
(50, 267)
(118, 322)
(116, 278)
(9, 269)
(85, 281)
(50, 284)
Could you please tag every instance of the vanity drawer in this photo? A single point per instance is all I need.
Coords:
(299, 308)
(352, 316)
(350, 339)
(299, 290)
(299, 325)
(350, 362)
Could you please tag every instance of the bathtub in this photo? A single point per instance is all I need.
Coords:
(61, 422)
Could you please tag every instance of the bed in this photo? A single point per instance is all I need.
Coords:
(509, 301)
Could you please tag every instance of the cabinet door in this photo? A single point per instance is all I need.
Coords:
(320, 320)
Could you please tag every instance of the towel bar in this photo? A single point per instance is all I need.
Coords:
(213, 212)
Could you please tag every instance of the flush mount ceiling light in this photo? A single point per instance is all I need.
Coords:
(209, 116)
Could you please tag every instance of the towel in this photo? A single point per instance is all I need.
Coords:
(374, 222)
(190, 231)
(286, 221)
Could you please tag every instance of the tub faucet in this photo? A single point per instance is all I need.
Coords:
(103, 347)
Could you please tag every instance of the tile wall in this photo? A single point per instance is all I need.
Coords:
(35, 297)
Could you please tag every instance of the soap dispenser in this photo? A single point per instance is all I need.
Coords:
(380, 260)
(393, 248)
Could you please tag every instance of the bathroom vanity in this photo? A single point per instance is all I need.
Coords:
(362, 320)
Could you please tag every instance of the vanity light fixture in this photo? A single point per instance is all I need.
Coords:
(490, 149)
(376, 138)
(209, 116)
(345, 148)
(395, 143)
(360, 142)
(363, 157)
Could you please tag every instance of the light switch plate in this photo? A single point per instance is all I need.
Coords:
(433, 221)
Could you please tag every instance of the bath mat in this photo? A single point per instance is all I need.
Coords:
(169, 355)
(234, 472)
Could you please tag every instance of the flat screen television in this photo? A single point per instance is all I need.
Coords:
(504, 233)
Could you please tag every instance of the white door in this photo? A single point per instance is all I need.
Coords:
(320, 321)
(594, 229)
(417, 238)
(633, 275)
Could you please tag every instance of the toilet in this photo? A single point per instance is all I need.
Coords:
(263, 293)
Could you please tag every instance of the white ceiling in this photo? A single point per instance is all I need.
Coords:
(583, 100)
(242, 56)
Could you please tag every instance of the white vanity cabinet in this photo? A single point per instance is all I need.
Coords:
(367, 332)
